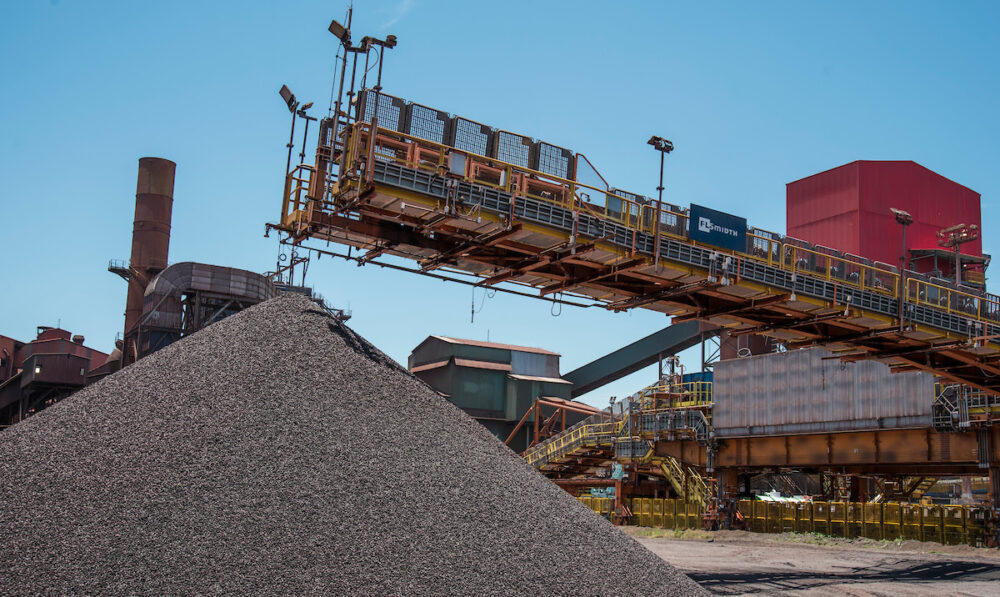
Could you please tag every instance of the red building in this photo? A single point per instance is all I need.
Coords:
(39, 373)
(848, 209)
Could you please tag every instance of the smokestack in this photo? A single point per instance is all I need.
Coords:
(154, 199)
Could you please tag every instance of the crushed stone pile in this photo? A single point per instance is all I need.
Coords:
(277, 452)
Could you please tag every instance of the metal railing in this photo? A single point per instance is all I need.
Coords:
(786, 253)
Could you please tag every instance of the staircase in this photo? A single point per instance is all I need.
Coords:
(698, 490)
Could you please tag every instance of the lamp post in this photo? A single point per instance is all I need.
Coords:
(956, 236)
(904, 219)
(664, 146)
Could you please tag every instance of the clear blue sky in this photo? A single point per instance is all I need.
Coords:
(753, 94)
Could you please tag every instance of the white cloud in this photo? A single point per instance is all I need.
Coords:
(400, 11)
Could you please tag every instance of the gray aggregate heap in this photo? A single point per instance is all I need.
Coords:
(277, 452)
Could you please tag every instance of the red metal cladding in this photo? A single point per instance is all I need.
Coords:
(847, 208)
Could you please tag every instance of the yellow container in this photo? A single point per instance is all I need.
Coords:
(803, 517)
(912, 515)
(645, 512)
(953, 524)
(669, 511)
(855, 520)
(681, 519)
(745, 508)
(872, 520)
(838, 519)
(931, 527)
(758, 523)
(892, 521)
(658, 513)
(821, 517)
(773, 517)
(975, 526)
(693, 516)
(789, 514)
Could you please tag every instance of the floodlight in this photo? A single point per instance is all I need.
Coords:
(340, 32)
(661, 144)
(904, 218)
(289, 97)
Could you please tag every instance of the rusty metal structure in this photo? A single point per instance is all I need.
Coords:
(457, 212)
(40, 373)
(167, 302)
(154, 200)
(487, 207)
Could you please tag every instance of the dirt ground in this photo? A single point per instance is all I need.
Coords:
(741, 563)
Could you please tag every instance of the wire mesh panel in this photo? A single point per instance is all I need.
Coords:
(669, 514)
(658, 513)
(931, 525)
(428, 123)
(873, 527)
(513, 148)
(892, 521)
(821, 517)
(953, 519)
(550, 159)
(911, 516)
(468, 135)
(391, 110)
(803, 517)
(789, 514)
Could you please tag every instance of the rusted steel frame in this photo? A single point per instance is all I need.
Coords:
(679, 290)
(566, 407)
(521, 423)
(381, 230)
(735, 309)
(852, 338)
(791, 324)
(599, 274)
(470, 245)
(591, 482)
(937, 370)
(375, 252)
(974, 362)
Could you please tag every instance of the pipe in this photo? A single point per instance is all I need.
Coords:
(154, 199)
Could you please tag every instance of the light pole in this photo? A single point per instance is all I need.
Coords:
(904, 219)
(663, 146)
(956, 236)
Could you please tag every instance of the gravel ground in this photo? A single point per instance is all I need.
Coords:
(277, 452)
(741, 563)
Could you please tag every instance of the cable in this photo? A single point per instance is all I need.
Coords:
(552, 309)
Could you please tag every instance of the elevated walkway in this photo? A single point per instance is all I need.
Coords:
(456, 212)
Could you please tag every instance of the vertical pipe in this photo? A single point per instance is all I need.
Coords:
(154, 199)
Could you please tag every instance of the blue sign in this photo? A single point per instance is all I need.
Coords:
(718, 229)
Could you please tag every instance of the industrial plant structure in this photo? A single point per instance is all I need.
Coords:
(904, 389)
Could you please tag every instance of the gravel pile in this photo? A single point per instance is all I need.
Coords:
(277, 452)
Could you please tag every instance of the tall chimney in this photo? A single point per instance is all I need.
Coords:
(154, 199)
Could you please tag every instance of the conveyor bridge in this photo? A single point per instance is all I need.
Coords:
(462, 213)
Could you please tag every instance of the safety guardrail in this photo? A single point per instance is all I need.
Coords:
(947, 524)
(802, 268)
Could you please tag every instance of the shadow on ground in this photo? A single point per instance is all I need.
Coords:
(898, 571)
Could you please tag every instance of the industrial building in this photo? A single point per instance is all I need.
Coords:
(164, 303)
(850, 208)
(41, 372)
(496, 384)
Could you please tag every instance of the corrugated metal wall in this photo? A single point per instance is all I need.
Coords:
(533, 363)
(847, 208)
(802, 391)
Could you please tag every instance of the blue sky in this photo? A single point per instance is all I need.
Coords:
(754, 95)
